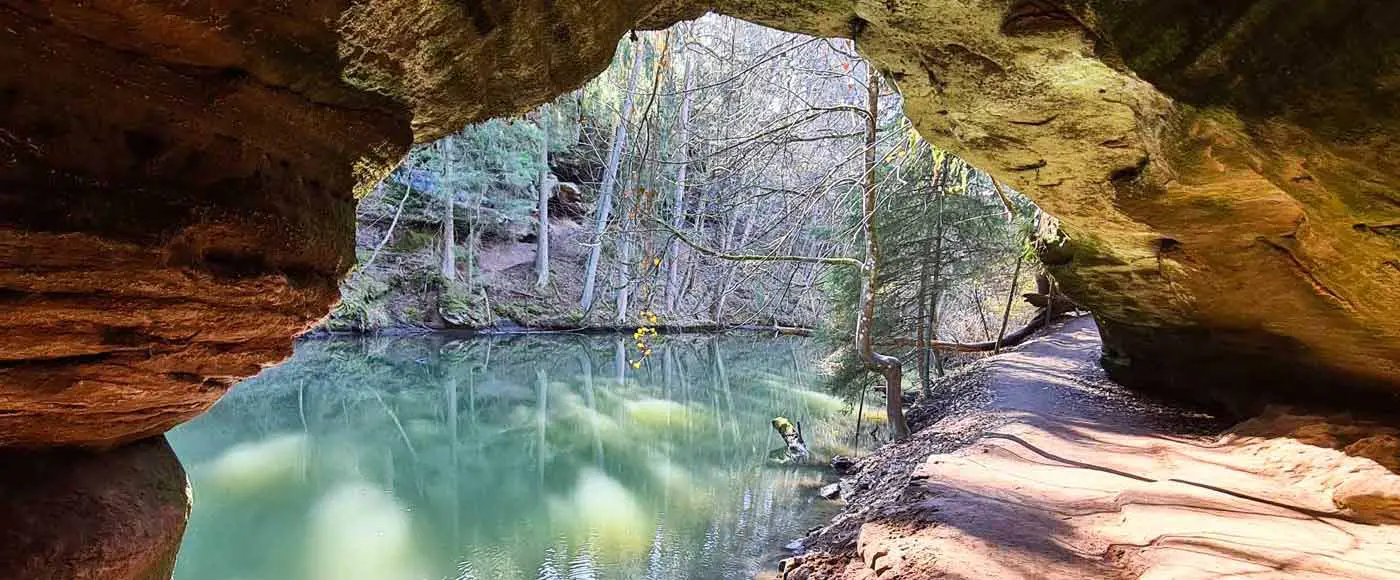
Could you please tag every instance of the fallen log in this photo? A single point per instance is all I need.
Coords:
(1012, 338)
(796, 450)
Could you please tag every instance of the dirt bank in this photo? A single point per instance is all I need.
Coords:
(1032, 464)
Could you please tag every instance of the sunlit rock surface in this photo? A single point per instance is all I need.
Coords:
(80, 515)
(179, 178)
(1054, 472)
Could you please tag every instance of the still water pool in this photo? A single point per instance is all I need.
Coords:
(508, 457)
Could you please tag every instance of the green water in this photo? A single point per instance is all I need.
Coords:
(501, 458)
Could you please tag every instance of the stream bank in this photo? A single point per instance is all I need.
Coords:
(1032, 464)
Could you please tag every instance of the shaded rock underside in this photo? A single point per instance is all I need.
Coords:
(177, 180)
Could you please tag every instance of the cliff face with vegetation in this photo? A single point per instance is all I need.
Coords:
(180, 178)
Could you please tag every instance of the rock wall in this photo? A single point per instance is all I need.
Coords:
(81, 515)
(175, 205)
(177, 180)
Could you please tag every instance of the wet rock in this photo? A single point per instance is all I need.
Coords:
(830, 491)
(842, 464)
(82, 515)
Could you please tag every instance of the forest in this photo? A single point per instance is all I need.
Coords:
(717, 175)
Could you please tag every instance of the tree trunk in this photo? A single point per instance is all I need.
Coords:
(474, 237)
(449, 222)
(542, 236)
(935, 315)
(673, 269)
(1010, 295)
(795, 450)
(624, 252)
(605, 192)
(981, 312)
(924, 322)
(733, 266)
(886, 365)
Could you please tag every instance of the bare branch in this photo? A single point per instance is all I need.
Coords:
(711, 252)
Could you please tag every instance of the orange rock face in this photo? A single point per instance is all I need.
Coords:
(168, 221)
(178, 179)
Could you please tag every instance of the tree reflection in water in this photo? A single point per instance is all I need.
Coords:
(501, 458)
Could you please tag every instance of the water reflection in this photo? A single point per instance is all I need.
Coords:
(522, 457)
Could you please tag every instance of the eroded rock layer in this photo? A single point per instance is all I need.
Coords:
(177, 179)
(170, 214)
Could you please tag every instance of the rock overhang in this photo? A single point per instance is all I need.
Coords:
(179, 178)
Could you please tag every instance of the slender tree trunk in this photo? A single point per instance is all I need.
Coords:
(733, 267)
(673, 269)
(449, 234)
(605, 193)
(694, 269)
(924, 327)
(935, 315)
(473, 236)
(626, 207)
(542, 236)
(886, 365)
(981, 311)
(1010, 295)
(473, 240)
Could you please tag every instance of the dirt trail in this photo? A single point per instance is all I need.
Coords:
(1033, 465)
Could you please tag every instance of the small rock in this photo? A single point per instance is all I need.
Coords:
(832, 491)
(842, 464)
(1383, 449)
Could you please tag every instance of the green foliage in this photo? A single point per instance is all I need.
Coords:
(849, 377)
(919, 187)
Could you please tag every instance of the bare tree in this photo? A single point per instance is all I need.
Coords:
(449, 234)
(545, 185)
(888, 366)
(673, 268)
(605, 193)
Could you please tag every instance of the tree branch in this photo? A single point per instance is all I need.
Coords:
(1006, 202)
(389, 234)
(1012, 338)
(845, 262)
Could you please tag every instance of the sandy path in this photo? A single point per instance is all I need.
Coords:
(1073, 476)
